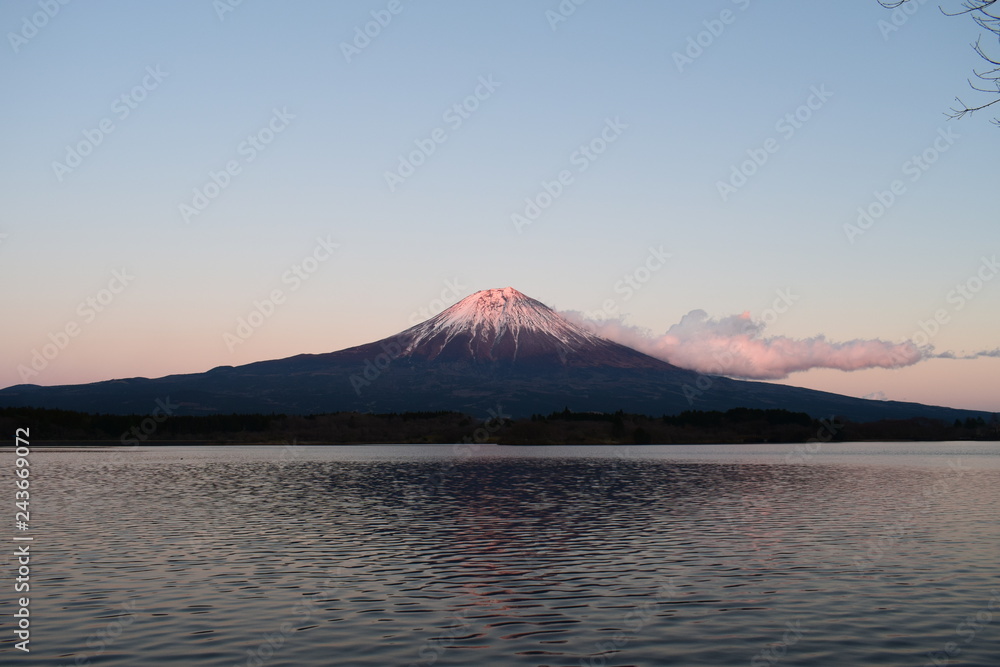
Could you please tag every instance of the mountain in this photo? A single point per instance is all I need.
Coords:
(494, 351)
(503, 326)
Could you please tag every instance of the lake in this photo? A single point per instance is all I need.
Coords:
(832, 554)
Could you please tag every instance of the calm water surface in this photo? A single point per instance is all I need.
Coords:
(873, 554)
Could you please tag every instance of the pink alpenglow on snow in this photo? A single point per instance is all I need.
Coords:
(498, 325)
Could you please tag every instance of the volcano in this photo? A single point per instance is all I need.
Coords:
(497, 350)
(503, 326)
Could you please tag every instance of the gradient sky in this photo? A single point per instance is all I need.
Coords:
(323, 176)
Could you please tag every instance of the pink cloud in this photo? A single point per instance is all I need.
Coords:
(737, 347)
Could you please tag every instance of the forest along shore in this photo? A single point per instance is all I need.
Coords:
(61, 428)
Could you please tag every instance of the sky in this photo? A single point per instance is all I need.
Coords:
(194, 184)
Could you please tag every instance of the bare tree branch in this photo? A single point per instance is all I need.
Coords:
(986, 14)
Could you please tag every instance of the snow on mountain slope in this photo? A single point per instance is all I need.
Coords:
(506, 325)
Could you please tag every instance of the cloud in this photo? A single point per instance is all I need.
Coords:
(995, 353)
(737, 347)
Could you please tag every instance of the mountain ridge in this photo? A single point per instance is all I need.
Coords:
(494, 348)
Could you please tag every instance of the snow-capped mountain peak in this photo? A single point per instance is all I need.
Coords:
(506, 325)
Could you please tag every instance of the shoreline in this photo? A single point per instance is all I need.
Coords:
(113, 444)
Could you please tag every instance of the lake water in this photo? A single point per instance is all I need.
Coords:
(852, 554)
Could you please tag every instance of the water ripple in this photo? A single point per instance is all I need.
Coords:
(415, 556)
